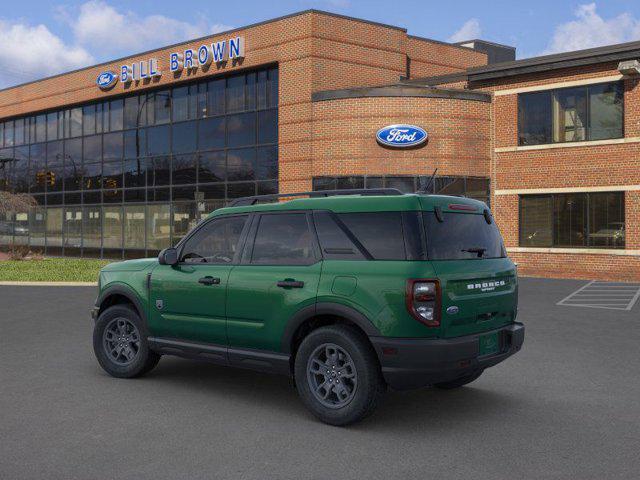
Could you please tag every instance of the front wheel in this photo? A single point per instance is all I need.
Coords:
(337, 375)
(119, 344)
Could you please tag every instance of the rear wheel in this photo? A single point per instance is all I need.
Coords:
(119, 344)
(459, 382)
(337, 375)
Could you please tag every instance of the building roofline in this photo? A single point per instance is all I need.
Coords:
(496, 44)
(608, 53)
(435, 79)
(441, 42)
(226, 32)
(400, 90)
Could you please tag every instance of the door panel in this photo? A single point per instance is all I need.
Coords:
(258, 309)
(190, 309)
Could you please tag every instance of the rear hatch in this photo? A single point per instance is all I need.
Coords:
(478, 282)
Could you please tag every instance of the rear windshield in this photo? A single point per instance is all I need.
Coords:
(462, 236)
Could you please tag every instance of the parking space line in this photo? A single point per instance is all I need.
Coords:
(596, 294)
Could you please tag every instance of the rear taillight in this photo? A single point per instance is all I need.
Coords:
(423, 301)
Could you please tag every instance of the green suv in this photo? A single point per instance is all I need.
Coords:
(348, 292)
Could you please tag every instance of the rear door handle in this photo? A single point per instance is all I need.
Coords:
(209, 280)
(290, 284)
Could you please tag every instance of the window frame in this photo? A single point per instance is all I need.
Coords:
(552, 92)
(241, 241)
(587, 220)
(247, 253)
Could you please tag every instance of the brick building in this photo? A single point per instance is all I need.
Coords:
(124, 157)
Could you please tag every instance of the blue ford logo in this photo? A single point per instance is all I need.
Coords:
(401, 136)
(106, 80)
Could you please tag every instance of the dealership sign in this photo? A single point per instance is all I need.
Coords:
(401, 136)
(189, 59)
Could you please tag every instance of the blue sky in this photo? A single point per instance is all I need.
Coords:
(67, 34)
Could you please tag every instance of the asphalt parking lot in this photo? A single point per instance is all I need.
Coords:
(567, 406)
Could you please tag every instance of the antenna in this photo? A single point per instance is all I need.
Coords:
(425, 189)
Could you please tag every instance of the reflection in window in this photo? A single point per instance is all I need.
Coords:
(112, 227)
(241, 129)
(283, 240)
(134, 216)
(594, 220)
(158, 226)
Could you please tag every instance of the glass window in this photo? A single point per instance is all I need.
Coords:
(268, 126)
(343, 183)
(283, 239)
(158, 140)
(134, 173)
(184, 219)
(91, 228)
(158, 171)
(19, 132)
(135, 143)
(92, 173)
(267, 163)
(54, 227)
(55, 167)
(158, 226)
(72, 228)
(570, 115)
(37, 226)
(404, 184)
(184, 137)
(180, 104)
(116, 115)
(134, 227)
(112, 146)
(21, 169)
(112, 228)
(606, 111)
(235, 93)
(130, 115)
(211, 167)
(462, 236)
(241, 189)
(92, 149)
(379, 233)
(215, 242)
(250, 91)
(592, 112)
(89, 124)
(241, 129)
(162, 106)
(261, 89)
(75, 122)
(41, 128)
(534, 118)
(536, 221)
(241, 164)
(215, 97)
(594, 220)
(112, 175)
(211, 133)
(184, 169)
(37, 168)
(334, 241)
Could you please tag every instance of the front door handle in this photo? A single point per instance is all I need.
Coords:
(208, 280)
(290, 284)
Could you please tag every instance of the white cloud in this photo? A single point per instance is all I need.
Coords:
(469, 31)
(29, 52)
(107, 31)
(591, 30)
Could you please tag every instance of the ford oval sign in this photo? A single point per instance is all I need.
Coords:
(401, 136)
(106, 80)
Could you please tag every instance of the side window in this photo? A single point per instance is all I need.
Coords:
(283, 239)
(216, 242)
(334, 242)
(379, 232)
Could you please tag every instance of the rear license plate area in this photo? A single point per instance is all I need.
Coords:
(489, 344)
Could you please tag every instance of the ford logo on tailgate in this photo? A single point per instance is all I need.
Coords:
(106, 80)
(401, 136)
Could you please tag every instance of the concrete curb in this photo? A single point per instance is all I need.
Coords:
(50, 284)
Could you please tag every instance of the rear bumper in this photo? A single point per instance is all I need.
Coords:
(412, 363)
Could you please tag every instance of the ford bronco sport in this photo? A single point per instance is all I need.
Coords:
(348, 292)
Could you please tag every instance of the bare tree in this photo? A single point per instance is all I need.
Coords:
(15, 202)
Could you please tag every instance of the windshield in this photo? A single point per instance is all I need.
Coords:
(462, 236)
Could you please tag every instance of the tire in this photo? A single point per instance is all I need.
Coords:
(460, 382)
(358, 381)
(131, 358)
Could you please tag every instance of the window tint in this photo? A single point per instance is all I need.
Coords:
(216, 242)
(594, 220)
(334, 242)
(283, 240)
(380, 233)
(462, 236)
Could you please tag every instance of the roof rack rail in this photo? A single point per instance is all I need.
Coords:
(244, 201)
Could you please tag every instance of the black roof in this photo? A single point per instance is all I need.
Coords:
(590, 56)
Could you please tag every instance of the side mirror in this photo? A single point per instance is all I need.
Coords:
(168, 256)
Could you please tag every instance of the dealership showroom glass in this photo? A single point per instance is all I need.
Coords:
(124, 158)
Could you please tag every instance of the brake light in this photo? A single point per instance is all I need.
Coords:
(462, 206)
(423, 301)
